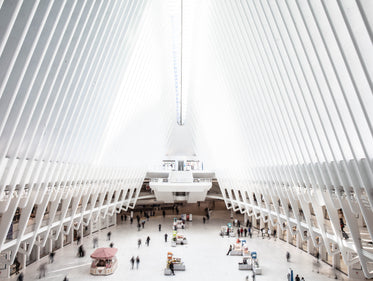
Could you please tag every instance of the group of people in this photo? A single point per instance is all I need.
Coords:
(263, 231)
(132, 260)
(297, 278)
(244, 232)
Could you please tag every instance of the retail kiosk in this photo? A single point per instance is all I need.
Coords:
(240, 248)
(104, 261)
(246, 264)
(178, 264)
(255, 264)
(178, 224)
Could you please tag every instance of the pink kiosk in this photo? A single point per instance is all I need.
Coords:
(104, 261)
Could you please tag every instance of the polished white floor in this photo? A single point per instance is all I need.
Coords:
(205, 255)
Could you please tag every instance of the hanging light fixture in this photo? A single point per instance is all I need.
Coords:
(180, 117)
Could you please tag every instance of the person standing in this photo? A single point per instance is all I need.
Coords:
(269, 233)
(254, 275)
(165, 237)
(297, 278)
(65, 279)
(131, 220)
(139, 243)
(111, 245)
(109, 235)
(204, 220)
(137, 262)
(164, 213)
(287, 256)
(132, 260)
(147, 241)
(172, 268)
(159, 227)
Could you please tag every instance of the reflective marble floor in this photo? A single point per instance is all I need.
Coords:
(204, 257)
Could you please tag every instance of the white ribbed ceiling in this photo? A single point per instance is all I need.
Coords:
(98, 81)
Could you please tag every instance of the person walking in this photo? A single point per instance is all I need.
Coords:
(287, 256)
(204, 220)
(131, 220)
(81, 251)
(159, 227)
(297, 278)
(20, 277)
(164, 213)
(254, 274)
(147, 241)
(269, 233)
(137, 262)
(229, 250)
(139, 243)
(78, 238)
(109, 235)
(245, 232)
(42, 270)
(302, 279)
(132, 260)
(65, 279)
(172, 268)
(17, 265)
(95, 242)
(51, 257)
(165, 237)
